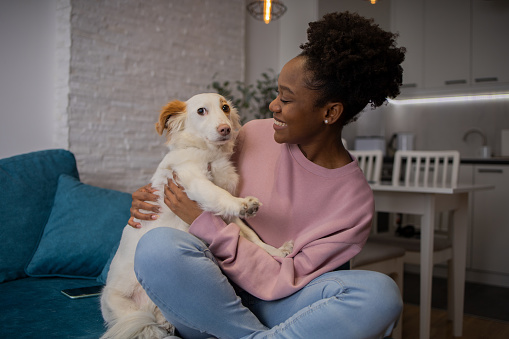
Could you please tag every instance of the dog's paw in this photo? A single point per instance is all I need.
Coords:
(169, 328)
(249, 207)
(287, 248)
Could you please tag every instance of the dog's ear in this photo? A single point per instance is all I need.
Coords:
(172, 109)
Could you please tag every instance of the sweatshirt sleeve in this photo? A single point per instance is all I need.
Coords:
(271, 278)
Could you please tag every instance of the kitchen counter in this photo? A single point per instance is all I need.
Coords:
(486, 161)
(481, 161)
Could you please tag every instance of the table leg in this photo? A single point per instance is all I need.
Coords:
(427, 237)
(459, 245)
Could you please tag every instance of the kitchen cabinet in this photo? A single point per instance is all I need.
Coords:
(446, 43)
(407, 20)
(490, 52)
(490, 226)
(453, 46)
(487, 249)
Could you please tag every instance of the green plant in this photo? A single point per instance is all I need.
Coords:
(251, 101)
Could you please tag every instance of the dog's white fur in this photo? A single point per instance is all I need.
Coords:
(201, 135)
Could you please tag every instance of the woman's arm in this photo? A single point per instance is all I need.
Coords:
(140, 198)
(271, 278)
(174, 197)
(180, 204)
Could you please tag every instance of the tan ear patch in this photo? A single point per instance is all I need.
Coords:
(172, 109)
(225, 106)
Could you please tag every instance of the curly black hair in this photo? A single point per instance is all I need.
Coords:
(353, 61)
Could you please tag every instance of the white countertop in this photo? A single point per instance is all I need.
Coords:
(460, 188)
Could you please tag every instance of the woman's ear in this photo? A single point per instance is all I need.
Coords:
(333, 113)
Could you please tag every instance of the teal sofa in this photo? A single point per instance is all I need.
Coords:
(56, 233)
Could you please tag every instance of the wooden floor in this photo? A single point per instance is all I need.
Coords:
(441, 328)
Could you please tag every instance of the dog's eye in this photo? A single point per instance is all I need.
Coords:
(226, 108)
(201, 111)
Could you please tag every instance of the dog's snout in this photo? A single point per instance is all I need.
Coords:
(224, 129)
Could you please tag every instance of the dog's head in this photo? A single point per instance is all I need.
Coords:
(208, 116)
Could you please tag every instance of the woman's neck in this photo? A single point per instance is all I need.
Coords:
(331, 154)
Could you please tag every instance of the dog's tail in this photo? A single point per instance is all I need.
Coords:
(139, 324)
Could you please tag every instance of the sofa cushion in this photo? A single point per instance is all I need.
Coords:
(28, 183)
(104, 274)
(35, 308)
(86, 222)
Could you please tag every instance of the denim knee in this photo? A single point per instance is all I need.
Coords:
(389, 296)
(152, 244)
(374, 289)
(167, 249)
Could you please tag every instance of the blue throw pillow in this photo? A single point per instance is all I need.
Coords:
(104, 274)
(85, 223)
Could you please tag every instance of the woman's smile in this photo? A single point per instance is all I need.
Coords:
(279, 124)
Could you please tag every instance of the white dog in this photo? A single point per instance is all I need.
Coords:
(201, 135)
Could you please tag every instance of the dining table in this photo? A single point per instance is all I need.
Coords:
(426, 201)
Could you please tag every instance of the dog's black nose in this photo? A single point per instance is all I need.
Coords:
(224, 129)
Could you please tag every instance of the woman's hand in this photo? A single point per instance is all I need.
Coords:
(178, 201)
(140, 198)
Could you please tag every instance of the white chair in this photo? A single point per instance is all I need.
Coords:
(379, 257)
(370, 162)
(427, 169)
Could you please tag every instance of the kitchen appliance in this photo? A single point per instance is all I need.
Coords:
(485, 151)
(401, 141)
(369, 143)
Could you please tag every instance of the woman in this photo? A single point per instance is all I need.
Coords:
(211, 282)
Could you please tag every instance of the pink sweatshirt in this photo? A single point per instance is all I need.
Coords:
(326, 212)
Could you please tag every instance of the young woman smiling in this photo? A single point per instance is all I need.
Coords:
(212, 283)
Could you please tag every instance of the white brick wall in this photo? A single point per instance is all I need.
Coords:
(62, 59)
(127, 59)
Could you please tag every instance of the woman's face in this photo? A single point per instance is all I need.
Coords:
(296, 118)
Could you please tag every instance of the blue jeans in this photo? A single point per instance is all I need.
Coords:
(182, 277)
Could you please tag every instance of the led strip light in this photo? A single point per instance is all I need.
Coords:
(436, 100)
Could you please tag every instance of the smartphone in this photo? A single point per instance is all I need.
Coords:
(83, 292)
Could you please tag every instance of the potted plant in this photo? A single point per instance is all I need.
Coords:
(251, 101)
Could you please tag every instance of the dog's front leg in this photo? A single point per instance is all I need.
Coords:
(214, 199)
(248, 233)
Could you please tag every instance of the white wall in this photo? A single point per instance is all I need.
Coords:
(380, 12)
(128, 59)
(294, 25)
(119, 62)
(262, 47)
(270, 46)
(27, 40)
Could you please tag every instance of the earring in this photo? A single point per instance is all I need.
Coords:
(326, 121)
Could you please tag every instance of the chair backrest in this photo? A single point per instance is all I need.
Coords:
(426, 168)
(370, 163)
